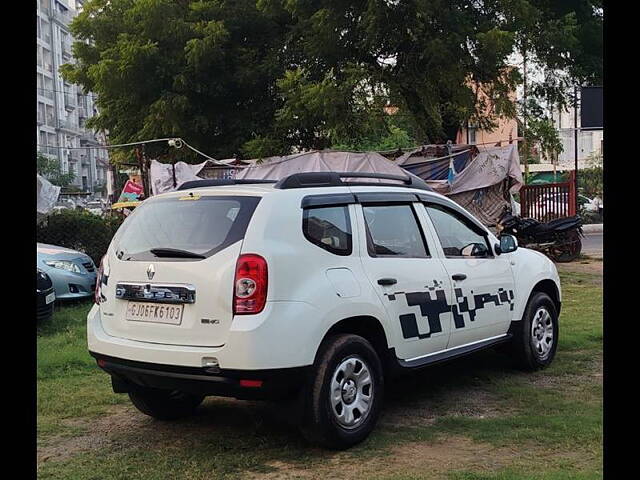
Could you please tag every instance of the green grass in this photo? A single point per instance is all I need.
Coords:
(545, 425)
(69, 383)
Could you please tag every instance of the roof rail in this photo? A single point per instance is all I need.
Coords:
(334, 179)
(217, 182)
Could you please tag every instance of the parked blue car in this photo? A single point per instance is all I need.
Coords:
(73, 273)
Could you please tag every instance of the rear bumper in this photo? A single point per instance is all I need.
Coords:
(44, 310)
(254, 342)
(128, 375)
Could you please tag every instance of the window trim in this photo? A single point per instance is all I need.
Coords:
(305, 231)
(370, 248)
(466, 221)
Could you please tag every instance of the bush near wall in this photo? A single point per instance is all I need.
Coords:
(79, 230)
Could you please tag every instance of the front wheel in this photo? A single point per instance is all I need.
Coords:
(535, 337)
(164, 404)
(342, 401)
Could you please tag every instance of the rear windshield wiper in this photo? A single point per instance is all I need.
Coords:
(175, 253)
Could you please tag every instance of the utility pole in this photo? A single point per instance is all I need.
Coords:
(524, 115)
(575, 140)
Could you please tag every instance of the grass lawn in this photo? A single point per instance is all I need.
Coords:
(472, 419)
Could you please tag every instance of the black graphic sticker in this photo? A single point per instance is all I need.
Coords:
(433, 302)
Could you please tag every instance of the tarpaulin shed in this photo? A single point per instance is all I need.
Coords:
(276, 168)
(481, 184)
(47, 195)
(432, 161)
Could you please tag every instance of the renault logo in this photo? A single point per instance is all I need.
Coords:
(150, 271)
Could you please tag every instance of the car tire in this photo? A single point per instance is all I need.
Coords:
(165, 404)
(535, 337)
(343, 397)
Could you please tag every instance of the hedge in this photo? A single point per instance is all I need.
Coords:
(79, 230)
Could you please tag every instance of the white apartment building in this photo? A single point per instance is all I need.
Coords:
(63, 109)
(589, 141)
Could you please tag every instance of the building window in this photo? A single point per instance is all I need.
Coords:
(41, 112)
(471, 132)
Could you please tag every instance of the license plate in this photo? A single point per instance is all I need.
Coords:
(50, 298)
(154, 312)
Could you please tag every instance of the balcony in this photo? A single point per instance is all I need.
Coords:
(67, 125)
(88, 136)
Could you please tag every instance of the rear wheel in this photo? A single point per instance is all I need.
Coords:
(568, 250)
(165, 404)
(342, 401)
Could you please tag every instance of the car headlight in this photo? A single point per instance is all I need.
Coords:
(64, 265)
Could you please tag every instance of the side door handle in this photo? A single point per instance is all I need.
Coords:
(387, 281)
(458, 276)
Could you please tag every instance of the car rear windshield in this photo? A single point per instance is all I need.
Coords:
(200, 225)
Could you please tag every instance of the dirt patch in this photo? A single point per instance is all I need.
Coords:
(590, 266)
(98, 434)
(123, 425)
(467, 402)
(435, 459)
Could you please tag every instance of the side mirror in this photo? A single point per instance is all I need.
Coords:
(508, 244)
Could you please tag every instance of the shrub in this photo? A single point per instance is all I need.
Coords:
(79, 230)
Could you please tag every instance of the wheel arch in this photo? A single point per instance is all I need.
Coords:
(549, 287)
(366, 326)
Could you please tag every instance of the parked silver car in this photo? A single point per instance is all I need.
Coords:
(73, 273)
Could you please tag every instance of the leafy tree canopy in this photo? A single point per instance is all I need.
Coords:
(264, 77)
(50, 169)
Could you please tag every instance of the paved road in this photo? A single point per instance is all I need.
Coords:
(592, 244)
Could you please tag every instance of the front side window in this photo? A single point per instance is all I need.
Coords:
(393, 231)
(457, 237)
(328, 228)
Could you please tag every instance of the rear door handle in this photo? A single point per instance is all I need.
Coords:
(458, 276)
(387, 281)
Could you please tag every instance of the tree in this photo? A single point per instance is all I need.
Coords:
(201, 70)
(268, 76)
(50, 169)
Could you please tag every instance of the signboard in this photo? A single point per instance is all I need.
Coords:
(591, 113)
(131, 192)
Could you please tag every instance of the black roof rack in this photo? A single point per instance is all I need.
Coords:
(334, 179)
(315, 179)
(217, 182)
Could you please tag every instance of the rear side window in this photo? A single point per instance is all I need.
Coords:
(328, 228)
(393, 230)
(204, 225)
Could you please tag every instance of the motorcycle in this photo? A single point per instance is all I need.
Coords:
(559, 239)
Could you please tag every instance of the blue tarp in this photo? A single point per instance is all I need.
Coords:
(438, 169)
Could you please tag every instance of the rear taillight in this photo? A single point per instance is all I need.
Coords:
(97, 293)
(250, 285)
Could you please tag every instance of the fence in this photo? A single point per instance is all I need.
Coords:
(548, 201)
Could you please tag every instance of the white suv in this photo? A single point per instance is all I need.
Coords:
(320, 285)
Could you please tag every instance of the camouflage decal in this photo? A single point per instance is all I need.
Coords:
(433, 302)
